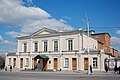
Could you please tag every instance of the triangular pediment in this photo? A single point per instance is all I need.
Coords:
(44, 31)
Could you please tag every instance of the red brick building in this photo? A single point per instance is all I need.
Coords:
(104, 43)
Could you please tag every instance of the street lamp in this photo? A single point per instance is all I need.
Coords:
(88, 25)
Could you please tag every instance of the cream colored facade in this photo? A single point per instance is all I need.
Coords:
(63, 58)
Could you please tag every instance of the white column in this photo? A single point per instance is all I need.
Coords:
(30, 56)
(100, 62)
(18, 62)
(30, 66)
(32, 63)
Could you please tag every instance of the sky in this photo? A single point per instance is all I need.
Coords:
(24, 17)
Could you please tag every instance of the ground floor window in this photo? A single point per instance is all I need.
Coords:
(94, 62)
(27, 62)
(66, 62)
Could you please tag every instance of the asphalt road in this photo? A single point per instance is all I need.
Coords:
(55, 76)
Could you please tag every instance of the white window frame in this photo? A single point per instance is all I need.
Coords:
(27, 62)
(57, 48)
(66, 62)
(95, 62)
(72, 45)
(35, 47)
(43, 45)
(24, 46)
(10, 61)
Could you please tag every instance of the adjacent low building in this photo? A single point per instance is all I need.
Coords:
(48, 49)
(104, 44)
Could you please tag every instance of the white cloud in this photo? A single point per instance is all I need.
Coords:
(118, 32)
(1, 51)
(1, 38)
(63, 21)
(9, 45)
(9, 50)
(49, 23)
(30, 19)
(115, 41)
(30, 2)
(13, 13)
(6, 42)
(66, 17)
(15, 34)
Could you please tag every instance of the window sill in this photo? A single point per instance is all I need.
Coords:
(66, 67)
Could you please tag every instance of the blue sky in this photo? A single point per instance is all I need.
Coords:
(23, 17)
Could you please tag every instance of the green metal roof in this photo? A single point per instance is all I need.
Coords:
(41, 56)
(44, 56)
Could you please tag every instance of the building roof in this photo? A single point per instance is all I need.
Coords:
(100, 34)
(49, 33)
(44, 29)
(11, 54)
(114, 49)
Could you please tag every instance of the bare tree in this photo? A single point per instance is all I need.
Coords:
(2, 62)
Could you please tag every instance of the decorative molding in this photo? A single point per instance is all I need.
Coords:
(24, 52)
(69, 38)
(71, 51)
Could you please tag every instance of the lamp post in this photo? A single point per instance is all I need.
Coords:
(88, 29)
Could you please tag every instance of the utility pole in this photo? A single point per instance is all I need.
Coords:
(88, 30)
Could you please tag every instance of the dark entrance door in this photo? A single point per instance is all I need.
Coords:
(74, 64)
(55, 63)
(85, 63)
(45, 65)
(21, 62)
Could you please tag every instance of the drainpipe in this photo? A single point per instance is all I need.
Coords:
(79, 52)
(60, 54)
(31, 62)
(100, 61)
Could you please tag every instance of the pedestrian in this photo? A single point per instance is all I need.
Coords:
(90, 68)
(115, 69)
(1, 67)
(10, 68)
(106, 68)
(119, 69)
(6, 68)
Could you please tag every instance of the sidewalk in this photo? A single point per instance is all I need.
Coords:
(97, 73)
(73, 72)
(83, 73)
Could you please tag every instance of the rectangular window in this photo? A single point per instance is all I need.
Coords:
(66, 65)
(55, 45)
(70, 45)
(45, 45)
(35, 47)
(25, 47)
(27, 62)
(9, 61)
(94, 62)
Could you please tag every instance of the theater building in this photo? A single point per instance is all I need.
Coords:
(48, 49)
